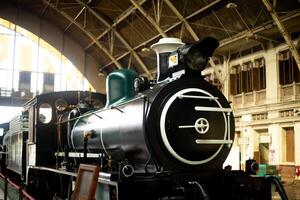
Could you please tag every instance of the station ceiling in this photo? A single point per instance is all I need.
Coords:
(119, 33)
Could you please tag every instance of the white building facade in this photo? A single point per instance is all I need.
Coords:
(264, 87)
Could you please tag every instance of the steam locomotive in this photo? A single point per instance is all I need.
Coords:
(162, 139)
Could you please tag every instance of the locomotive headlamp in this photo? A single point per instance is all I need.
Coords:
(195, 56)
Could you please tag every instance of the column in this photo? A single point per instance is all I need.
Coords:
(297, 143)
(275, 145)
(272, 77)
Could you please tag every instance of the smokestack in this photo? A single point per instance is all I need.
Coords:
(163, 48)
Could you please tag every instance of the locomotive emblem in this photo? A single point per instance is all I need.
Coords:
(202, 125)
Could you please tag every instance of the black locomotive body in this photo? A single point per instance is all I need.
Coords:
(171, 123)
(165, 139)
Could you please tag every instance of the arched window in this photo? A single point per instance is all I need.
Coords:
(30, 66)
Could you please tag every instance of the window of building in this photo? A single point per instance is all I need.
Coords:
(6, 80)
(248, 77)
(288, 145)
(29, 63)
(259, 74)
(246, 52)
(235, 77)
(24, 81)
(10, 112)
(288, 69)
(260, 116)
(286, 113)
(48, 85)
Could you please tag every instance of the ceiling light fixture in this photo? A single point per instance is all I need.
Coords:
(231, 5)
(101, 72)
(145, 50)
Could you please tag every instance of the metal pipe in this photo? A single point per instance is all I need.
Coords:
(283, 31)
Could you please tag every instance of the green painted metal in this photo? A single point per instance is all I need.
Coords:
(262, 170)
(120, 86)
(266, 170)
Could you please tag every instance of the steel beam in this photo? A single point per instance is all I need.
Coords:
(119, 36)
(150, 19)
(253, 31)
(136, 56)
(90, 35)
(182, 19)
(44, 10)
(170, 28)
(194, 35)
(283, 31)
(224, 42)
(298, 43)
(157, 10)
(74, 19)
(216, 16)
(118, 20)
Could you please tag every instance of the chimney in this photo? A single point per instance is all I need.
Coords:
(163, 48)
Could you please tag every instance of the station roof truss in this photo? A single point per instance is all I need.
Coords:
(122, 31)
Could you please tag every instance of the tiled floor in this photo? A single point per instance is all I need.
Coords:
(293, 190)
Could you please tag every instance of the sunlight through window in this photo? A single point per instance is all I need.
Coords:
(30, 66)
